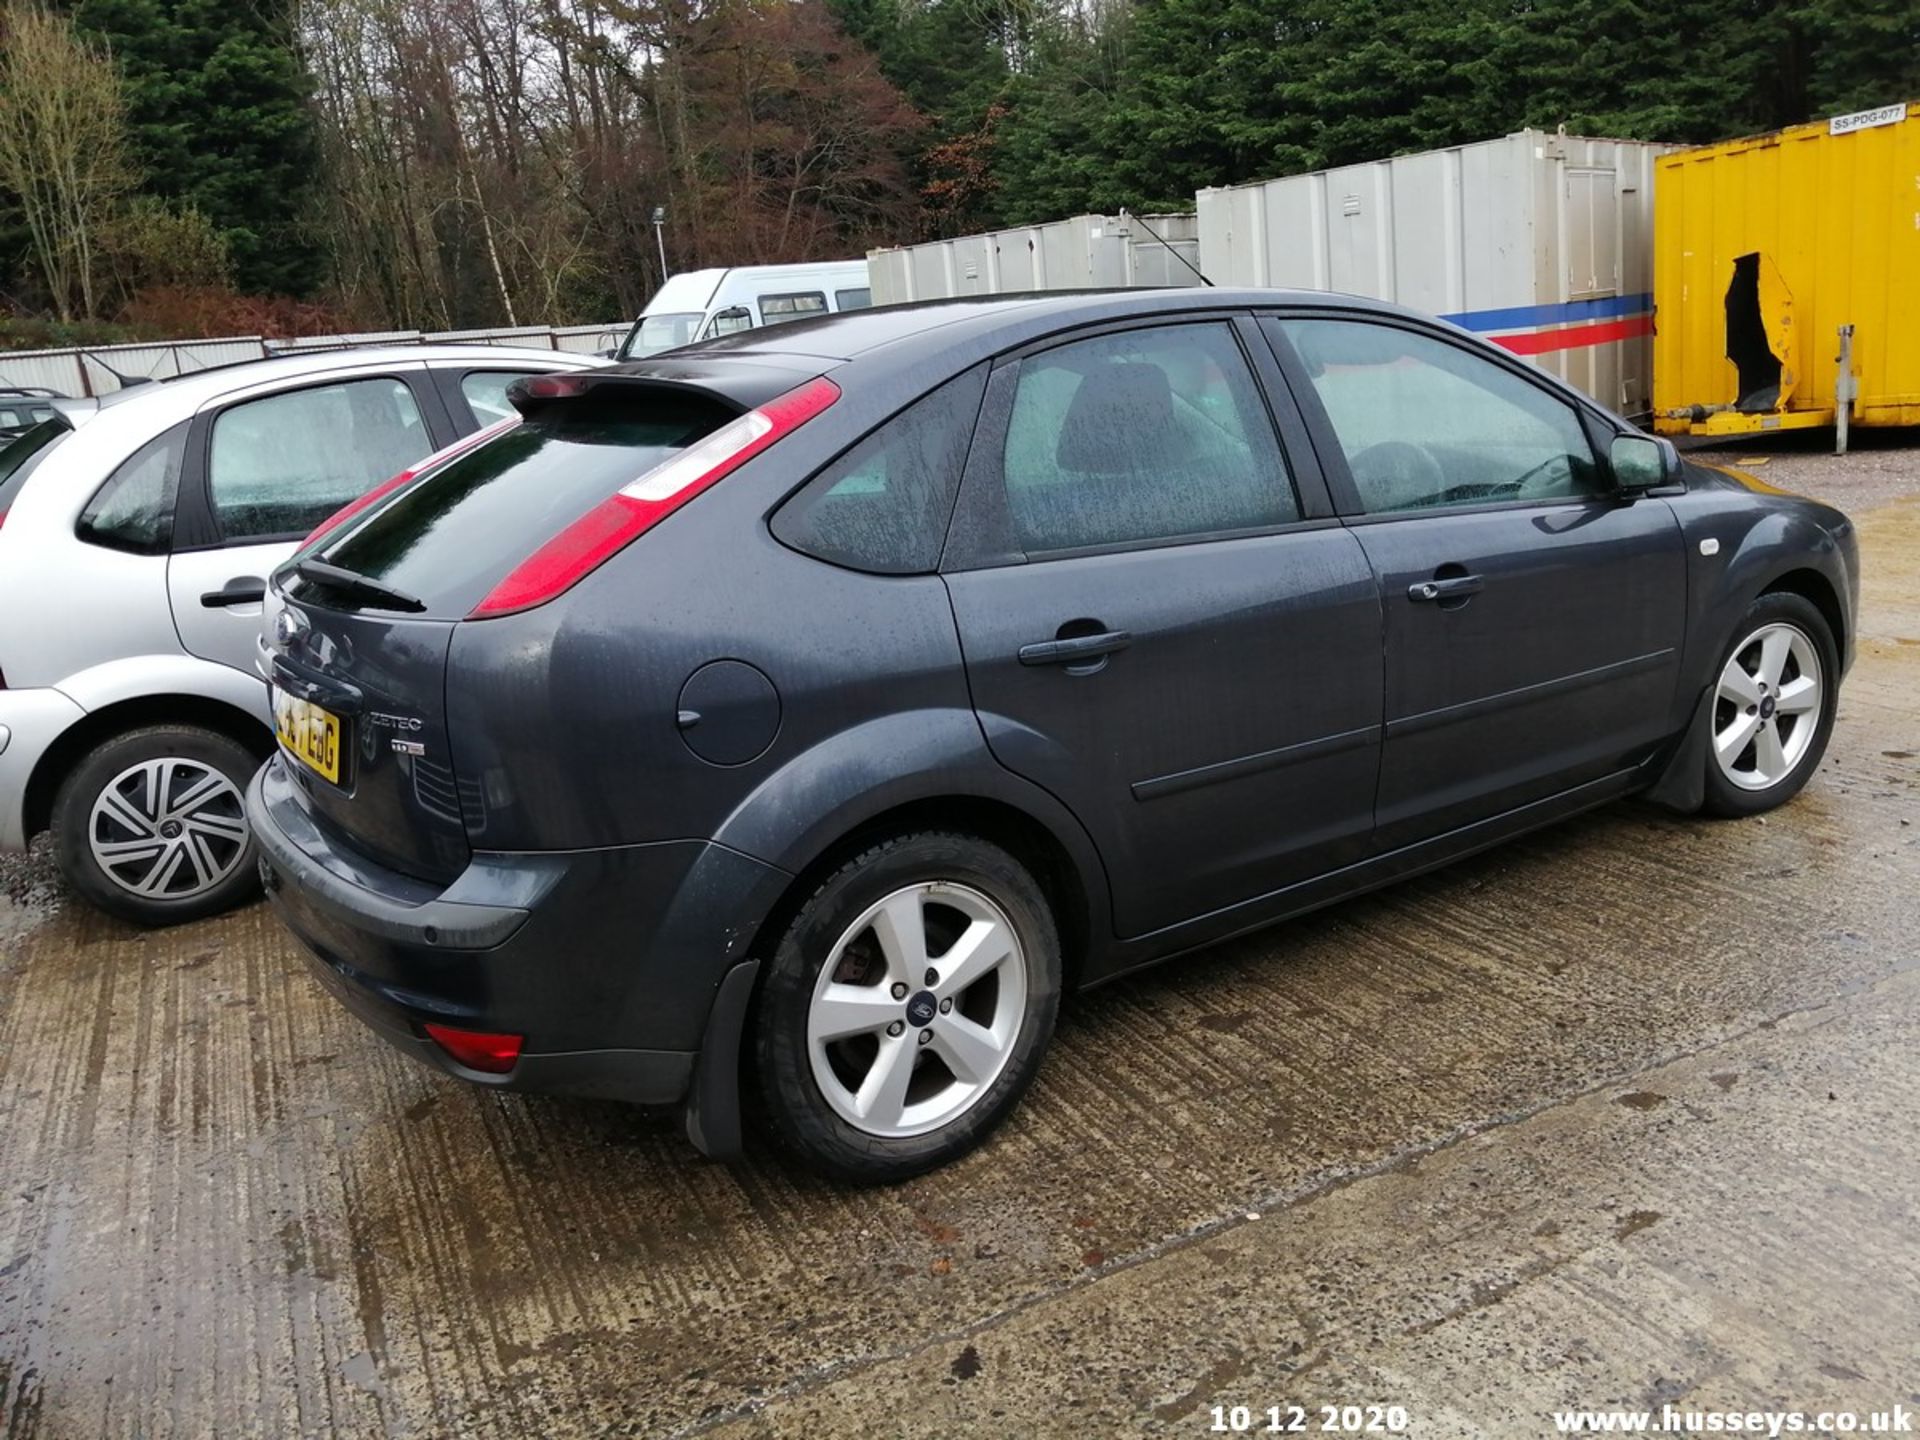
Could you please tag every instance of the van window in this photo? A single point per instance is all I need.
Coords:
(861, 299)
(665, 331)
(730, 321)
(776, 309)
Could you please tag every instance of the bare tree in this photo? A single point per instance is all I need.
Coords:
(63, 149)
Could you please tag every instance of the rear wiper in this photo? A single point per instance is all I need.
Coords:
(361, 587)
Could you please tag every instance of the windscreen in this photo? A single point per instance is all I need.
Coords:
(662, 332)
(449, 538)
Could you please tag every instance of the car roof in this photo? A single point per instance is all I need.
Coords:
(1000, 319)
(197, 386)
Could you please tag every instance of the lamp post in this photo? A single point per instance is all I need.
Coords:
(659, 237)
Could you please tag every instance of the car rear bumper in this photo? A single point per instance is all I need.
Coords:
(30, 722)
(606, 961)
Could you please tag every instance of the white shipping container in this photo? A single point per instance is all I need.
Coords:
(1086, 252)
(1543, 243)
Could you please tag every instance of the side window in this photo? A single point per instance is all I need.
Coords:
(1426, 424)
(486, 392)
(777, 309)
(730, 321)
(883, 506)
(1144, 435)
(861, 299)
(133, 509)
(282, 464)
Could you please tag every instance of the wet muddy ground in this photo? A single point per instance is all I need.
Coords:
(1627, 1113)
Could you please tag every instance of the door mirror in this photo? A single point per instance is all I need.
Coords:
(1643, 462)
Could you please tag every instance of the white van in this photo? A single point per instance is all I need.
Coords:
(700, 304)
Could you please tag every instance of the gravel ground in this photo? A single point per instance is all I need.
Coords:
(1880, 467)
(29, 884)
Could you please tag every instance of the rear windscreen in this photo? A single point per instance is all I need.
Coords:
(451, 537)
(19, 456)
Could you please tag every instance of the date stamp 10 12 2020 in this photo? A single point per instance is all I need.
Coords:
(1304, 1420)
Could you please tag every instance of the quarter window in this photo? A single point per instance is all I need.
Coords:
(282, 464)
(860, 299)
(1427, 425)
(1144, 435)
(133, 509)
(777, 309)
(883, 507)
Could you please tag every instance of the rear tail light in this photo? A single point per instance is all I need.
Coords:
(387, 487)
(478, 1049)
(631, 511)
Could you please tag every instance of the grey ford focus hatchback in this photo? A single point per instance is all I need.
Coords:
(784, 723)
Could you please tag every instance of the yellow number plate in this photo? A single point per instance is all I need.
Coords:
(310, 734)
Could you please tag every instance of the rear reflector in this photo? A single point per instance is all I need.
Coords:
(596, 537)
(387, 487)
(478, 1049)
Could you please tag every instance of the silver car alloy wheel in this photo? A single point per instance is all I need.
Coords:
(168, 829)
(1767, 708)
(917, 1009)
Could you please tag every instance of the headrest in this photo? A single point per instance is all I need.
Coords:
(1113, 407)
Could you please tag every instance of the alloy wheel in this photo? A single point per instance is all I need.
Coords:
(168, 829)
(1766, 710)
(917, 1009)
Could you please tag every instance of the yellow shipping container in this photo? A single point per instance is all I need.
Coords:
(1774, 255)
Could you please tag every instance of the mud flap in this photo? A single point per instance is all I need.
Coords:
(713, 1102)
(1682, 786)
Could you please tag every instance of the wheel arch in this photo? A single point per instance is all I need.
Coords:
(99, 726)
(1815, 588)
(994, 820)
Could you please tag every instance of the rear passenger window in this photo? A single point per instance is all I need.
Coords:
(883, 507)
(282, 464)
(133, 509)
(776, 309)
(1139, 436)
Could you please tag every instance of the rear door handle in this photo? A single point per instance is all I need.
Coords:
(241, 590)
(1075, 649)
(1455, 587)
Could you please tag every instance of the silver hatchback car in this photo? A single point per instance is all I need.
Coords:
(136, 535)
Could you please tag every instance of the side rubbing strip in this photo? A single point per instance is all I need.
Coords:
(1254, 764)
(1579, 680)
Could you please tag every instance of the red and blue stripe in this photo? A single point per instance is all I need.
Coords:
(1543, 329)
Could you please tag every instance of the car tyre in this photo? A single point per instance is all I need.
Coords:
(1777, 687)
(150, 825)
(940, 1041)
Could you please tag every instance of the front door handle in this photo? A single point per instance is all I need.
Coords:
(1075, 649)
(241, 590)
(1456, 587)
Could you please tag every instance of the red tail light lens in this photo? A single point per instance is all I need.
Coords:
(478, 1049)
(387, 487)
(589, 542)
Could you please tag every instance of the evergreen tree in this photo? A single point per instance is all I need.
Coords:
(219, 121)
